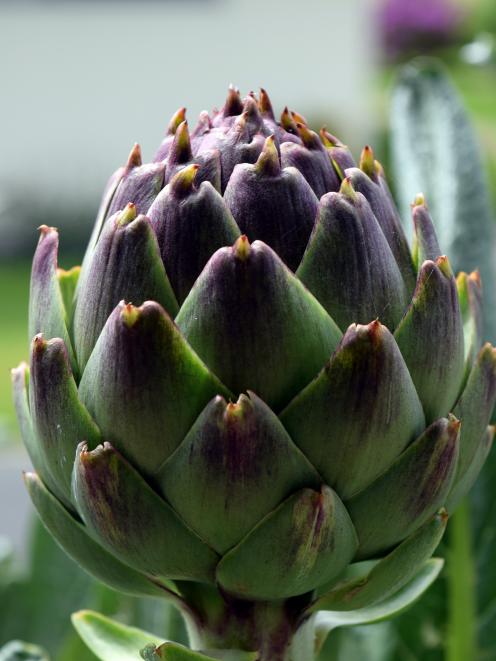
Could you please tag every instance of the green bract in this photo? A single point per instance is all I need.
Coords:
(254, 383)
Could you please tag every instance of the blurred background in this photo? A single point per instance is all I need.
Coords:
(82, 81)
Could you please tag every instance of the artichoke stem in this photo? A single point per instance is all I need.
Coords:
(276, 630)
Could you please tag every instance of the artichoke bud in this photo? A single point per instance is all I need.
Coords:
(252, 382)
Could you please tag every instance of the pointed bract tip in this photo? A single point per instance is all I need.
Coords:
(181, 137)
(298, 118)
(419, 201)
(375, 329)
(129, 314)
(265, 104)
(444, 266)
(176, 120)
(443, 515)
(127, 215)
(487, 354)
(453, 424)
(180, 151)
(268, 161)
(307, 135)
(134, 159)
(250, 106)
(39, 343)
(233, 104)
(45, 229)
(370, 332)
(347, 189)
(241, 248)
(287, 122)
(182, 182)
(204, 121)
(367, 161)
(328, 139)
(378, 168)
(475, 277)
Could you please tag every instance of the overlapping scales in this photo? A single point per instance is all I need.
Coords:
(254, 381)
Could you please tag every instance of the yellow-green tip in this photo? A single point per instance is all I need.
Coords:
(298, 118)
(242, 248)
(127, 215)
(347, 189)
(307, 136)
(367, 161)
(444, 266)
(287, 122)
(129, 314)
(268, 161)
(328, 139)
(419, 200)
(176, 120)
(182, 182)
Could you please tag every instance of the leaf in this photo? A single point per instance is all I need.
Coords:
(16, 650)
(110, 640)
(37, 606)
(434, 151)
(326, 621)
(175, 652)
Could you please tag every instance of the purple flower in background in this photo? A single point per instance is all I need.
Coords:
(416, 25)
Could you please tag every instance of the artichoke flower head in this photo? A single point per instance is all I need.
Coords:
(253, 381)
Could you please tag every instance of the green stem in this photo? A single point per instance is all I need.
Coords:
(462, 638)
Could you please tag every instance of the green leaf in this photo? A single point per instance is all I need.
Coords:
(434, 151)
(16, 650)
(171, 652)
(110, 640)
(398, 602)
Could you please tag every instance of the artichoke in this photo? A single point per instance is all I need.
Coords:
(253, 383)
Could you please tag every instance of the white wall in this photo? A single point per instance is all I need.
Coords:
(82, 81)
